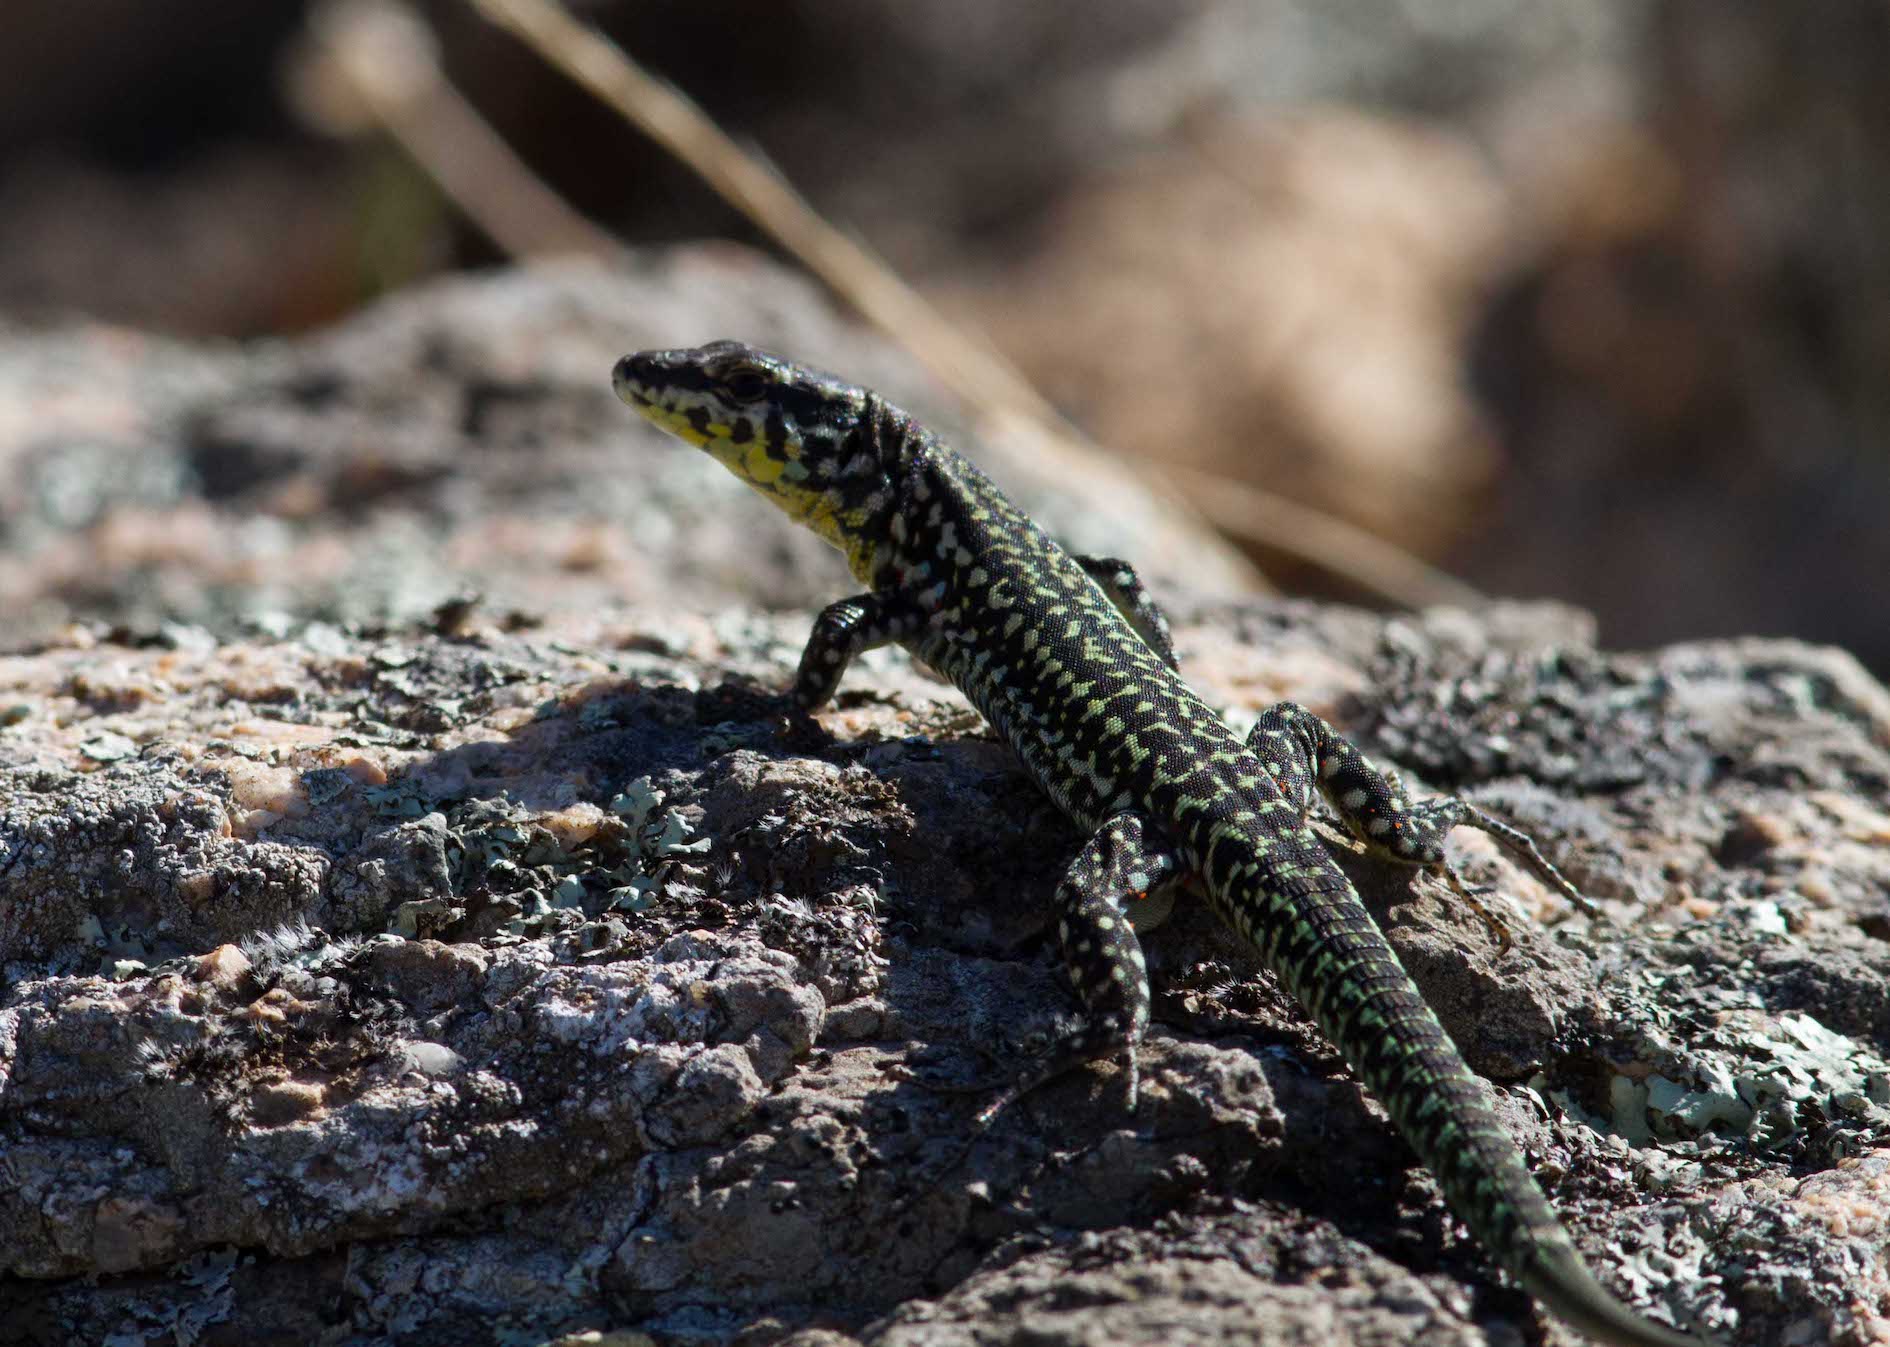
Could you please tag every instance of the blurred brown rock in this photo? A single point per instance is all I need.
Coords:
(1281, 302)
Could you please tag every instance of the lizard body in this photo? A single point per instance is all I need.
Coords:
(1068, 659)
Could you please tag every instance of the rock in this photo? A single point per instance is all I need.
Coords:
(459, 440)
(528, 979)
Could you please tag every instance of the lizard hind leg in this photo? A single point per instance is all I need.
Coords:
(1374, 808)
(1121, 882)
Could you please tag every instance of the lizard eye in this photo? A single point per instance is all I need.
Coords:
(745, 383)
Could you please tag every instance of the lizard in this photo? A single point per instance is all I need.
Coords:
(1072, 662)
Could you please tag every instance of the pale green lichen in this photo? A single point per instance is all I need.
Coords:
(1770, 1082)
(635, 896)
(669, 839)
(508, 873)
(108, 747)
(1660, 1269)
(402, 799)
(209, 1272)
(637, 802)
(658, 837)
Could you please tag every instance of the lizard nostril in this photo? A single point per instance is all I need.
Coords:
(634, 374)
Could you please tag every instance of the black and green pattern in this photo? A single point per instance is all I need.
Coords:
(1072, 663)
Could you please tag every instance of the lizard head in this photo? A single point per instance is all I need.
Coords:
(825, 451)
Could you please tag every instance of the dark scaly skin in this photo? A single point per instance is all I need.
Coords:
(1071, 663)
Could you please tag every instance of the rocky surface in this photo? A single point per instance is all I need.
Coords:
(460, 441)
(512, 974)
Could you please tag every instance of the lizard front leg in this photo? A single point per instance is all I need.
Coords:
(844, 629)
(1117, 579)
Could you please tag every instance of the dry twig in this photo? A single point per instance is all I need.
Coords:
(970, 368)
(378, 60)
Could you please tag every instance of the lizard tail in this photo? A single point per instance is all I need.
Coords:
(1335, 961)
(1561, 1281)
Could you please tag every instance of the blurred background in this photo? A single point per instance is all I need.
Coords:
(1577, 301)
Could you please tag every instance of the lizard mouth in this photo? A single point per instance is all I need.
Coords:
(628, 386)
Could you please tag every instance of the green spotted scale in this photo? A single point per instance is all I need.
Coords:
(1068, 658)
